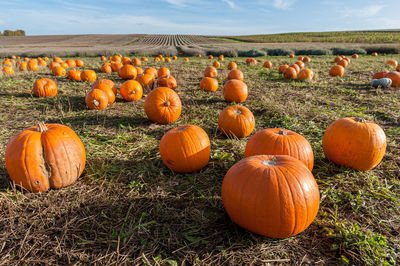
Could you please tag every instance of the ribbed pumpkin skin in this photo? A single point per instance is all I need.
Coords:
(305, 74)
(151, 71)
(107, 90)
(185, 149)
(74, 74)
(127, 72)
(106, 81)
(235, 74)
(282, 68)
(44, 87)
(88, 75)
(235, 91)
(38, 161)
(146, 80)
(236, 121)
(163, 105)
(209, 84)
(277, 201)
(163, 71)
(96, 99)
(380, 75)
(279, 141)
(131, 90)
(210, 72)
(336, 71)
(167, 81)
(359, 145)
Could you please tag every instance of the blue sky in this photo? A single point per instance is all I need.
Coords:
(208, 17)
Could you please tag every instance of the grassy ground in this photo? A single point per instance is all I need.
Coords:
(128, 207)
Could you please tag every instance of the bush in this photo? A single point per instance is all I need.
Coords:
(251, 53)
(382, 49)
(313, 51)
(216, 51)
(348, 51)
(14, 33)
(191, 50)
(278, 51)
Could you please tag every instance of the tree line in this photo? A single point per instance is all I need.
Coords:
(13, 33)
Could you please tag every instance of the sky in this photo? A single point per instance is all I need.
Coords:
(202, 17)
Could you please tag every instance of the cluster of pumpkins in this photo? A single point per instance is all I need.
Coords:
(25, 64)
(297, 70)
(271, 192)
(387, 78)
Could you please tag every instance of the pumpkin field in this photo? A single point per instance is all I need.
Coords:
(155, 188)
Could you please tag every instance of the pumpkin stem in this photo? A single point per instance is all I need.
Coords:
(42, 127)
(282, 132)
(96, 103)
(167, 103)
(271, 162)
(237, 112)
(359, 119)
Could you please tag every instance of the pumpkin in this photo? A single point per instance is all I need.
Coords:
(221, 57)
(88, 75)
(45, 156)
(232, 65)
(209, 84)
(392, 62)
(174, 57)
(347, 59)
(57, 59)
(152, 71)
(79, 63)
(163, 105)
(59, 71)
(290, 73)
(74, 74)
(336, 71)
(167, 81)
(381, 83)
(107, 90)
(291, 56)
(106, 69)
(251, 61)
(44, 87)
(163, 71)
(279, 141)
(185, 149)
(235, 74)
(210, 72)
(216, 64)
(22, 66)
(167, 59)
(136, 62)
(282, 68)
(267, 64)
(198, 55)
(237, 121)
(103, 58)
(7, 62)
(354, 142)
(146, 80)
(374, 54)
(139, 71)
(300, 64)
(271, 195)
(306, 59)
(71, 62)
(116, 58)
(131, 90)
(127, 72)
(296, 67)
(96, 99)
(305, 74)
(210, 56)
(145, 59)
(42, 63)
(64, 65)
(395, 77)
(300, 58)
(115, 66)
(8, 71)
(235, 91)
(398, 68)
(109, 82)
(33, 66)
(53, 64)
(186, 59)
(156, 59)
(344, 63)
(380, 75)
(338, 58)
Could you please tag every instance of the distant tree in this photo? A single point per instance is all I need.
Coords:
(14, 33)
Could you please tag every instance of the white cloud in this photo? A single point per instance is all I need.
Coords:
(363, 12)
(179, 3)
(230, 3)
(283, 4)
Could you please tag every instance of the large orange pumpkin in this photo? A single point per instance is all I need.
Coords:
(146, 80)
(354, 142)
(88, 75)
(45, 156)
(74, 74)
(305, 74)
(235, 74)
(290, 73)
(300, 64)
(59, 71)
(336, 71)
(235, 91)
(279, 141)
(236, 121)
(131, 90)
(127, 72)
(33, 66)
(344, 63)
(107, 90)
(44, 87)
(96, 99)
(167, 81)
(210, 72)
(271, 195)
(163, 105)
(115, 66)
(108, 82)
(185, 149)
(209, 84)
(53, 64)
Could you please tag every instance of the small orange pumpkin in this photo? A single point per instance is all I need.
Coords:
(107, 91)
(267, 64)
(336, 71)
(232, 65)
(167, 81)
(237, 121)
(109, 82)
(290, 73)
(131, 90)
(96, 99)
(59, 71)
(163, 105)
(235, 91)
(44, 87)
(8, 71)
(209, 84)
(217, 64)
(305, 74)
(236, 74)
(74, 74)
(163, 71)
(211, 72)
(88, 75)
(79, 63)
(282, 68)
(127, 72)
(146, 80)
